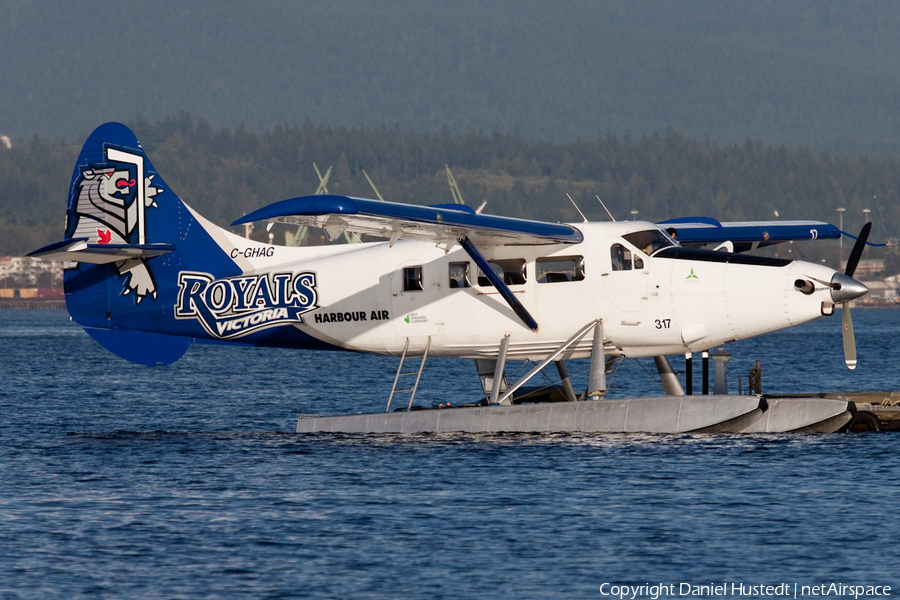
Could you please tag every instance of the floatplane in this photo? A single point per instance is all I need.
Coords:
(147, 276)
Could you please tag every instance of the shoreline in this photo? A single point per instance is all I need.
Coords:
(31, 304)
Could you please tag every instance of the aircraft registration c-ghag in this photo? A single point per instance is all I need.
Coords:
(147, 276)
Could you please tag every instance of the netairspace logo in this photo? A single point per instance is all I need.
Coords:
(237, 306)
(711, 590)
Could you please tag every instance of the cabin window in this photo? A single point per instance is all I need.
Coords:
(559, 268)
(649, 241)
(459, 275)
(621, 257)
(412, 279)
(511, 270)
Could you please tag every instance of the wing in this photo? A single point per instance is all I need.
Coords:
(747, 235)
(447, 224)
(441, 224)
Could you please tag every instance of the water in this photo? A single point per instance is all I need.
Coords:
(121, 481)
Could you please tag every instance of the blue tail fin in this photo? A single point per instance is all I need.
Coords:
(131, 236)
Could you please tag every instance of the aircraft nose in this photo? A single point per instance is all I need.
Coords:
(844, 288)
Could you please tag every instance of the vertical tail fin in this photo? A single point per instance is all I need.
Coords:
(127, 237)
(145, 275)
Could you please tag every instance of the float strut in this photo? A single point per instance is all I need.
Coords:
(667, 376)
(498, 369)
(505, 398)
(567, 383)
(705, 373)
(688, 374)
(597, 380)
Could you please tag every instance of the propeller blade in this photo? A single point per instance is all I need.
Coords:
(849, 339)
(858, 248)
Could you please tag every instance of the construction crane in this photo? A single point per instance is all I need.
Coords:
(296, 238)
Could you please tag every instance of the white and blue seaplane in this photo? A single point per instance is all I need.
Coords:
(146, 276)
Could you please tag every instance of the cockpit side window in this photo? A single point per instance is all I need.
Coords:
(621, 257)
(650, 241)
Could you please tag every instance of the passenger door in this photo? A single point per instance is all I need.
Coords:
(414, 294)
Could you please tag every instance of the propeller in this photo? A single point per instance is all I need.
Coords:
(844, 288)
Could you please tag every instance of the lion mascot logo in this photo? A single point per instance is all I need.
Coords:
(109, 209)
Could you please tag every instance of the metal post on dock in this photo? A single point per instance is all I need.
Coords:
(720, 383)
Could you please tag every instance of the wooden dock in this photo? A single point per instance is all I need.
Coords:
(885, 406)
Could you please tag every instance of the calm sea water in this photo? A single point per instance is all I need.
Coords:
(121, 481)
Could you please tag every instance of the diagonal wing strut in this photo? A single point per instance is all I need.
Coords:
(498, 283)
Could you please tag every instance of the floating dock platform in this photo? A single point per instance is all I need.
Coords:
(872, 407)
(659, 414)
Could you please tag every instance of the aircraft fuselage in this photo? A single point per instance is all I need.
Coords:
(372, 297)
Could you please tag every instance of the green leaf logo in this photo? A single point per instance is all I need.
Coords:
(692, 276)
(406, 318)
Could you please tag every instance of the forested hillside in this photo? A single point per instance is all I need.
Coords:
(825, 73)
(225, 173)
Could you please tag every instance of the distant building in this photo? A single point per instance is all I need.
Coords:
(881, 293)
(21, 272)
(867, 268)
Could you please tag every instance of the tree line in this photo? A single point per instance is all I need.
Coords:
(225, 173)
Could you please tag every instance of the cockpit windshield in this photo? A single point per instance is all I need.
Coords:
(650, 241)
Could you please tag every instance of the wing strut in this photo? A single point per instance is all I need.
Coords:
(501, 286)
(596, 358)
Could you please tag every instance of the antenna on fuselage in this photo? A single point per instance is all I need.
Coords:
(576, 208)
(604, 208)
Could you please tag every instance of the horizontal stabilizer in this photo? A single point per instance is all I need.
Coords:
(440, 224)
(747, 235)
(79, 250)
